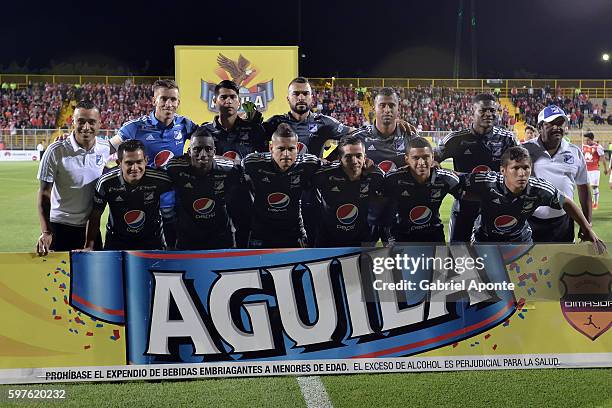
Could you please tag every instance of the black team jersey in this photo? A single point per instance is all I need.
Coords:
(472, 153)
(277, 216)
(345, 203)
(203, 221)
(417, 206)
(312, 131)
(503, 215)
(244, 138)
(134, 221)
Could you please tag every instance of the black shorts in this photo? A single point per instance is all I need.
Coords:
(220, 241)
(462, 222)
(435, 236)
(69, 237)
(134, 245)
(277, 242)
(559, 229)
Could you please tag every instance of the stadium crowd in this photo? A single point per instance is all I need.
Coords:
(34, 107)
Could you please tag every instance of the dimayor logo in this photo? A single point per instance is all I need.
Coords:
(505, 223)
(204, 206)
(347, 214)
(420, 215)
(243, 73)
(162, 158)
(278, 200)
(134, 219)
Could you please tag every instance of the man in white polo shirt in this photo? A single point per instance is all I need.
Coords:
(68, 174)
(562, 164)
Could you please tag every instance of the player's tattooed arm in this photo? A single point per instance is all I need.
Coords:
(44, 210)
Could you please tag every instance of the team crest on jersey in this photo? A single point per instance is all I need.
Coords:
(99, 160)
(587, 303)
(364, 188)
(313, 127)
(162, 158)
(178, 135)
(134, 219)
(347, 214)
(505, 223)
(204, 206)
(436, 193)
(149, 196)
(568, 159)
(243, 73)
(528, 205)
(219, 185)
(278, 201)
(420, 215)
(295, 180)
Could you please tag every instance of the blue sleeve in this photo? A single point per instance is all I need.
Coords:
(127, 131)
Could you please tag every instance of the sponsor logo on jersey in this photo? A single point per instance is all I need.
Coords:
(347, 213)
(386, 166)
(232, 155)
(204, 206)
(505, 223)
(481, 169)
(278, 200)
(150, 137)
(162, 158)
(134, 219)
(420, 215)
(118, 199)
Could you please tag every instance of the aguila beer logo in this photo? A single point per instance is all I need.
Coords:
(420, 215)
(505, 223)
(347, 214)
(587, 303)
(204, 206)
(243, 73)
(278, 200)
(134, 219)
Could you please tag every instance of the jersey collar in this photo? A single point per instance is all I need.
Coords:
(157, 123)
(75, 146)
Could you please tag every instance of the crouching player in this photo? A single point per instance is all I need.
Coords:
(132, 192)
(416, 192)
(508, 199)
(347, 189)
(203, 184)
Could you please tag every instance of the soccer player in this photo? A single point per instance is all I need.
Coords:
(593, 153)
(203, 184)
(477, 149)
(163, 133)
(68, 174)
(416, 192)
(509, 198)
(346, 188)
(132, 192)
(385, 144)
(562, 164)
(235, 138)
(278, 179)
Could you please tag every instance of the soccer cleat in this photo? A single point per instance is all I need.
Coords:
(595, 206)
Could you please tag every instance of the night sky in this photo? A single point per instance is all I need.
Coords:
(515, 39)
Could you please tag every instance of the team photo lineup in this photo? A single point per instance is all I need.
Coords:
(304, 179)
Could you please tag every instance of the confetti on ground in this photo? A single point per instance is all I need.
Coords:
(46, 290)
(506, 323)
(487, 336)
(87, 346)
(546, 272)
(494, 347)
(116, 333)
(529, 260)
(521, 316)
(544, 259)
(89, 334)
(99, 325)
(455, 345)
(513, 265)
(520, 303)
(62, 286)
(58, 317)
(477, 342)
(63, 262)
(549, 284)
(79, 321)
(54, 312)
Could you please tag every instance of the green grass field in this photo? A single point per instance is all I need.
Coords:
(513, 388)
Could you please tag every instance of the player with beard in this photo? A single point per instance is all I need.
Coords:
(278, 179)
(385, 143)
(132, 192)
(477, 149)
(163, 133)
(510, 197)
(204, 183)
(347, 189)
(235, 138)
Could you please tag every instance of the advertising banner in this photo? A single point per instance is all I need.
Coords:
(262, 74)
(153, 315)
(18, 155)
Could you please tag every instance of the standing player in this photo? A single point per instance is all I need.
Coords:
(68, 173)
(132, 192)
(346, 191)
(478, 149)
(508, 199)
(163, 133)
(278, 179)
(593, 153)
(203, 184)
(416, 192)
(562, 164)
(385, 144)
(235, 138)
